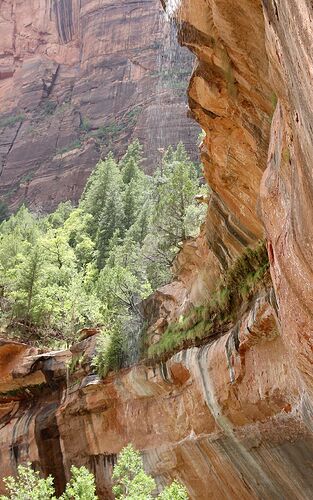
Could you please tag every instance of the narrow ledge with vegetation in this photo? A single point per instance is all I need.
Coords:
(242, 281)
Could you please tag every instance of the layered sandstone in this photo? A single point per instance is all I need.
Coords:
(232, 418)
(227, 419)
(78, 79)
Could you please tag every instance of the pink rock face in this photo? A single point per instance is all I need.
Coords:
(226, 418)
(232, 418)
(286, 191)
(78, 79)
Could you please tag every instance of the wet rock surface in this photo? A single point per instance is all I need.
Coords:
(232, 418)
(227, 418)
(78, 79)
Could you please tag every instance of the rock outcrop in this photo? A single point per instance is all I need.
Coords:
(78, 79)
(233, 417)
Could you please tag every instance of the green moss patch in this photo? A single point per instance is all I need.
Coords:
(242, 280)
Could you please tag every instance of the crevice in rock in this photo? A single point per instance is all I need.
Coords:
(49, 447)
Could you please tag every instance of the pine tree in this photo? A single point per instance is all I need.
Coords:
(27, 286)
(101, 185)
(111, 219)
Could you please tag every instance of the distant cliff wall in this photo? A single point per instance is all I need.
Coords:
(80, 78)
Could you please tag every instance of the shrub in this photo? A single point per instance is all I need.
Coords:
(85, 125)
(109, 352)
(130, 481)
(81, 486)
(49, 108)
(176, 491)
(28, 485)
(240, 282)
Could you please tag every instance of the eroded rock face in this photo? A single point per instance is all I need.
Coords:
(232, 418)
(226, 419)
(78, 79)
(231, 97)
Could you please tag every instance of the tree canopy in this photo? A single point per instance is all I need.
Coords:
(91, 265)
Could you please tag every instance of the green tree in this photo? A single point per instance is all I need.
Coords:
(111, 220)
(175, 491)
(81, 486)
(176, 187)
(28, 485)
(131, 161)
(130, 481)
(176, 215)
(61, 214)
(135, 183)
(101, 186)
(27, 283)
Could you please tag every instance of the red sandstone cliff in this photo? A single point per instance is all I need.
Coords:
(78, 79)
(232, 418)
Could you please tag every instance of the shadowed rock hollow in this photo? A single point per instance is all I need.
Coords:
(231, 418)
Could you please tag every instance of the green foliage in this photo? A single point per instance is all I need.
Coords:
(61, 214)
(11, 120)
(28, 485)
(130, 481)
(49, 107)
(175, 491)
(76, 144)
(239, 283)
(85, 125)
(108, 132)
(81, 486)
(84, 266)
(110, 351)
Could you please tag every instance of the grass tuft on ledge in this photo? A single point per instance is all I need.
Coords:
(241, 281)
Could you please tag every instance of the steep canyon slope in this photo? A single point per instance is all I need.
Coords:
(80, 78)
(231, 418)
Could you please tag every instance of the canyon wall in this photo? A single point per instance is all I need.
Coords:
(81, 78)
(233, 417)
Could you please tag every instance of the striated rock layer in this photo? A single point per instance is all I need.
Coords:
(232, 418)
(227, 419)
(77, 79)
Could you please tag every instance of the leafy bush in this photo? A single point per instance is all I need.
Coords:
(248, 273)
(28, 485)
(176, 491)
(81, 486)
(130, 481)
(85, 125)
(109, 351)
(49, 107)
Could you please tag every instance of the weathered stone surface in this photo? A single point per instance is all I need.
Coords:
(231, 97)
(227, 419)
(78, 79)
(232, 418)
